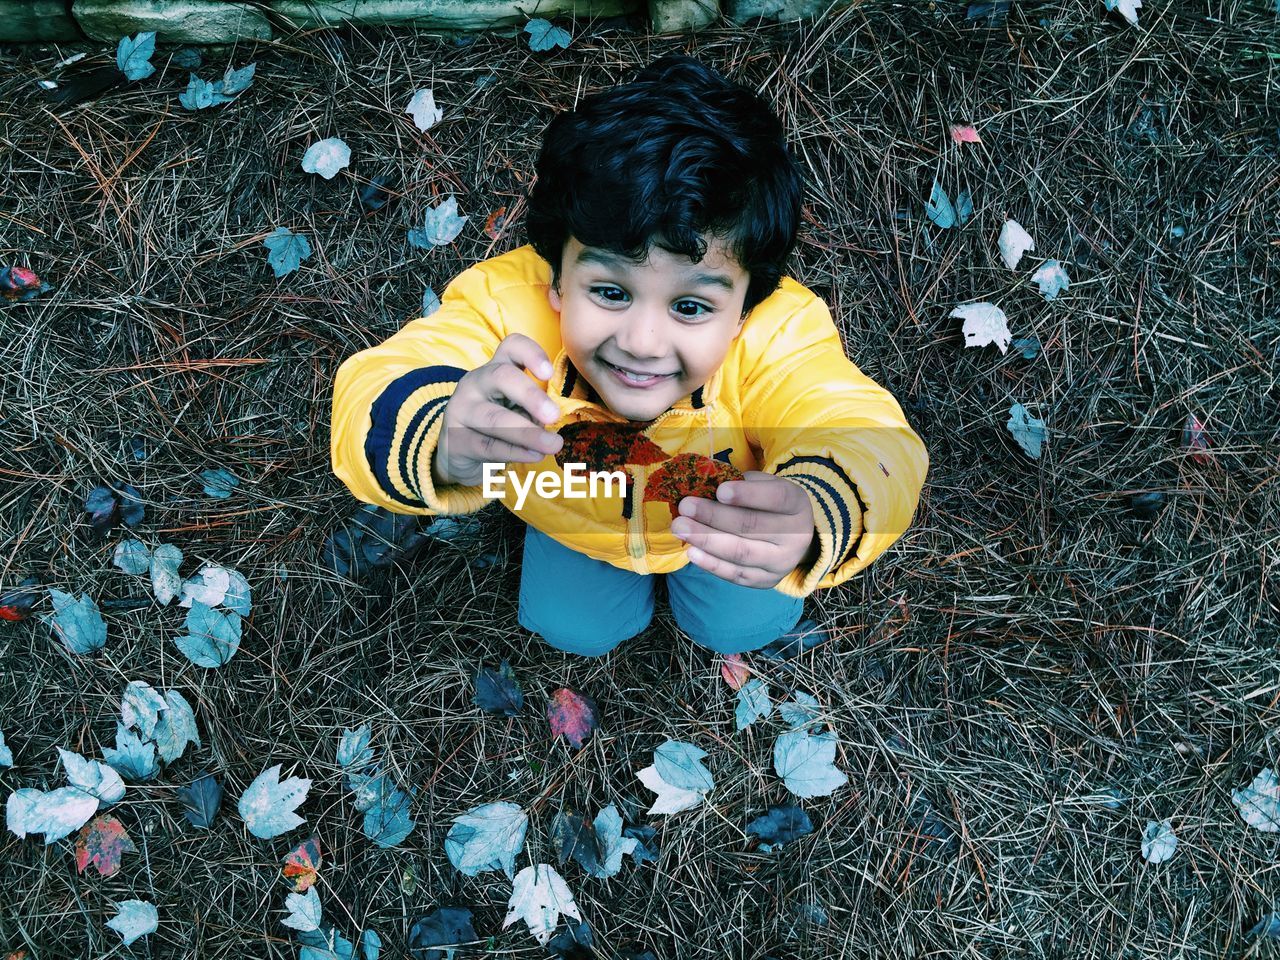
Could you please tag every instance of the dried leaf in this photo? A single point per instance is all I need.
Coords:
(735, 671)
(540, 897)
(573, 715)
(326, 157)
(201, 800)
(965, 134)
(1158, 841)
(302, 864)
(102, 842)
(134, 919)
(1014, 242)
(267, 805)
(984, 323)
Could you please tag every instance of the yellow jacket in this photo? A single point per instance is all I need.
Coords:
(786, 400)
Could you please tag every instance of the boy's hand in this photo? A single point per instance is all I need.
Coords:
(754, 533)
(497, 415)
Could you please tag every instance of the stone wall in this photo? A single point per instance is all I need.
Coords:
(225, 21)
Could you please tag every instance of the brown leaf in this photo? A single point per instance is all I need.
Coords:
(102, 842)
(735, 671)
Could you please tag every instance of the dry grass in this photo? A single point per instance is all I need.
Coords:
(1028, 645)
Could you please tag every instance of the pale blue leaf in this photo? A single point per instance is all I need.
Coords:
(440, 225)
(367, 788)
(177, 727)
(387, 821)
(188, 58)
(237, 597)
(199, 94)
(132, 556)
(544, 36)
(165, 580)
(6, 755)
(212, 636)
(801, 711)
(753, 704)
(327, 944)
(1127, 8)
(613, 845)
(354, 752)
(371, 944)
(805, 762)
(1027, 430)
(939, 208)
(77, 622)
(287, 250)
(140, 707)
(132, 759)
(134, 919)
(236, 82)
(213, 585)
(304, 910)
(56, 813)
(1029, 348)
(267, 804)
(422, 107)
(1051, 279)
(219, 482)
(326, 157)
(93, 777)
(133, 55)
(964, 207)
(680, 765)
(487, 837)
(430, 302)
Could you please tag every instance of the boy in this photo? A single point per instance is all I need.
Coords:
(648, 333)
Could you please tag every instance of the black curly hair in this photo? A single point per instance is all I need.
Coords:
(678, 154)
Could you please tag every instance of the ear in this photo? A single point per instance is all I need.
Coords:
(553, 297)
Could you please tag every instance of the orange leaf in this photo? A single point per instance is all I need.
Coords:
(496, 223)
(572, 714)
(735, 671)
(302, 864)
(102, 842)
(965, 134)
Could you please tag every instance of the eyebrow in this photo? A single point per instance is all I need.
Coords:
(603, 258)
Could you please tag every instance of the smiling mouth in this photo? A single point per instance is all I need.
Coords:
(637, 377)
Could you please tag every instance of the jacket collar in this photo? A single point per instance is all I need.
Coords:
(567, 383)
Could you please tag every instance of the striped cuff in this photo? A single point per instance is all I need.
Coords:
(837, 511)
(405, 424)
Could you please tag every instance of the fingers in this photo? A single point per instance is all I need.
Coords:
(738, 521)
(523, 352)
(764, 491)
(495, 434)
(507, 385)
(734, 573)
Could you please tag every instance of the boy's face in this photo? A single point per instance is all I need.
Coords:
(667, 316)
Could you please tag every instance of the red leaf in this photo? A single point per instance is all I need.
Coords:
(103, 841)
(1196, 439)
(688, 475)
(735, 671)
(302, 864)
(496, 223)
(644, 452)
(572, 714)
(965, 134)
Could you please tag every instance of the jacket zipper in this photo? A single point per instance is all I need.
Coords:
(635, 523)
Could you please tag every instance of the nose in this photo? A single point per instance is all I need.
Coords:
(642, 336)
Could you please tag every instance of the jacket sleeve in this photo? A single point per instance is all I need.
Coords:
(821, 422)
(388, 402)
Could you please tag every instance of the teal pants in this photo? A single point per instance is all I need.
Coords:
(586, 606)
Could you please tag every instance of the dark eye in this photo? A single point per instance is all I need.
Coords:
(601, 290)
(692, 303)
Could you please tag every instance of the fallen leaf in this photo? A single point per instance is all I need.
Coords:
(1029, 431)
(140, 707)
(302, 864)
(753, 703)
(544, 36)
(496, 223)
(212, 636)
(575, 839)
(688, 475)
(215, 585)
(134, 919)
(77, 622)
(1014, 242)
(680, 764)
(132, 556)
(133, 55)
(572, 943)
(370, 945)
(573, 715)
(1051, 279)
(779, 826)
(965, 134)
(267, 805)
(804, 761)
(422, 107)
(91, 776)
(1028, 347)
(670, 799)
(440, 225)
(984, 323)
(800, 711)
(442, 927)
(165, 581)
(220, 482)
(487, 837)
(1259, 803)
(326, 157)
(201, 800)
(735, 671)
(943, 213)
(176, 728)
(386, 820)
(497, 690)
(1196, 439)
(325, 944)
(200, 94)
(613, 844)
(1158, 841)
(304, 909)
(6, 755)
(540, 897)
(20, 285)
(1268, 927)
(16, 604)
(102, 842)
(354, 752)
(57, 813)
(1127, 8)
(286, 250)
(131, 757)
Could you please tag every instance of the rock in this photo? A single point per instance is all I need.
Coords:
(174, 21)
(741, 11)
(26, 21)
(677, 16)
(440, 14)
